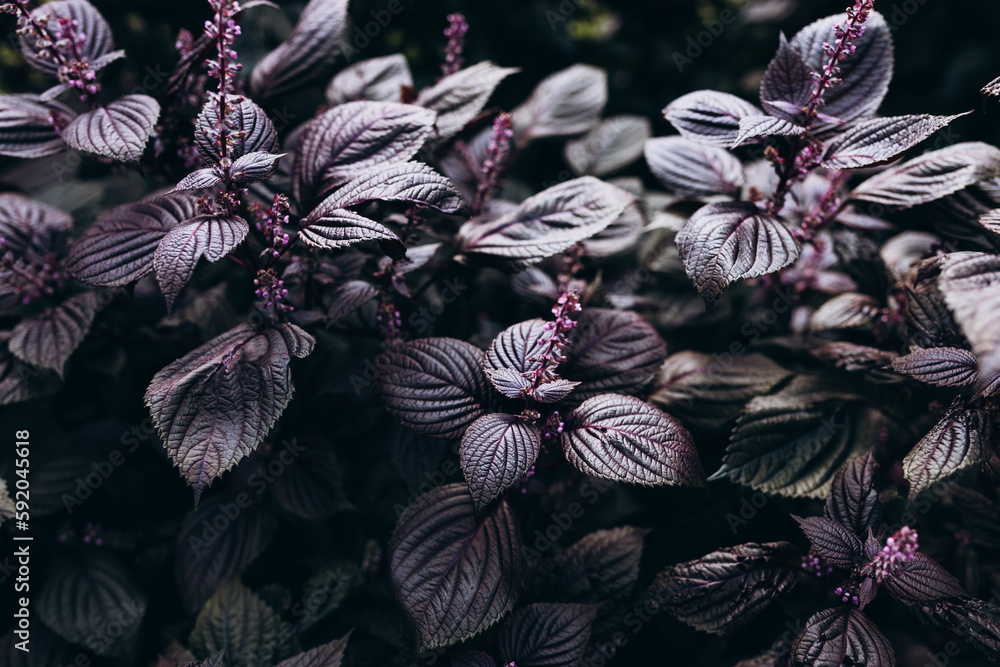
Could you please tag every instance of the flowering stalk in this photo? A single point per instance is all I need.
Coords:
(224, 30)
(553, 341)
(497, 152)
(897, 552)
(271, 224)
(271, 292)
(455, 32)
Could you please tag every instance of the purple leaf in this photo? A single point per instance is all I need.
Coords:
(754, 127)
(496, 452)
(793, 442)
(621, 438)
(435, 386)
(215, 405)
(118, 249)
(460, 97)
(922, 580)
(28, 226)
(620, 235)
(615, 143)
(454, 575)
(98, 40)
(239, 622)
(339, 228)
(839, 637)
(83, 597)
(692, 169)
(349, 139)
(307, 54)
(724, 589)
(513, 348)
(207, 556)
(788, 79)
(375, 79)
(939, 366)
(612, 351)
(880, 140)
(209, 236)
(970, 284)
(197, 180)
(325, 655)
(556, 390)
(547, 634)
(349, 297)
(709, 117)
(709, 392)
(548, 222)
(568, 102)
(977, 622)
(411, 182)
(255, 167)
(119, 130)
(19, 381)
(853, 499)
(510, 383)
(601, 566)
(845, 311)
(956, 442)
(931, 176)
(48, 339)
(831, 540)
(251, 131)
(865, 73)
(26, 129)
(730, 241)
(310, 486)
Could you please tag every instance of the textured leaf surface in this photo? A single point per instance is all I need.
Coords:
(567, 102)
(435, 386)
(237, 621)
(252, 131)
(881, 140)
(26, 129)
(956, 442)
(845, 311)
(922, 580)
(693, 169)
(307, 54)
(615, 143)
(970, 284)
(832, 540)
(730, 241)
(931, 176)
(724, 589)
(214, 405)
(709, 117)
(349, 139)
(601, 566)
(853, 498)
(939, 366)
(255, 167)
(612, 351)
(48, 339)
(460, 97)
(547, 634)
(977, 622)
(454, 575)
(513, 348)
(839, 637)
(196, 180)
(495, 454)
(119, 130)
(753, 127)
(349, 297)
(20, 381)
(82, 598)
(375, 79)
(621, 438)
(547, 223)
(177, 255)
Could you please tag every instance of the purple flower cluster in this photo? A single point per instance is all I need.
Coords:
(271, 291)
(272, 223)
(554, 341)
(496, 155)
(224, 29)
(813, 564)
(29, 280)
(846, 34)
(455, 32)
(898, 551)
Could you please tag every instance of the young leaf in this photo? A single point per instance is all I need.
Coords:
(922, 580)
(496, 452)
(881, 139)
(119, 130)
(349, 139)
(82, 598)
(26, 129)
(692, 169)
(326, 655)
(48, 339)
(460, 97)
(793, 442)
(710, 392)
(435, 386)
(842, 636)
(118, 249)
(214, 406)
(255, 167)
(547, 634)
(754, 127)
(251, 130)
(547, 223)
(411, 182)
(789, 80)
(865, 73)
(939, 366)
(454, 575)
(931, 176)
(209, 236)
(956, 442)
(709, 117)
(509, 356)
(375, 79)
(307, 54)
(612, 351)
(730, 241)
(237, 621)
(724, 589)
(615, 143)
(845, 311)
(568, 102)
(621, 438)
(199, 179)
(853, 499)
(208, 557)
(831, 540)
(89, 22)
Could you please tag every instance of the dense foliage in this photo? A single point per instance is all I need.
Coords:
(501, 388)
